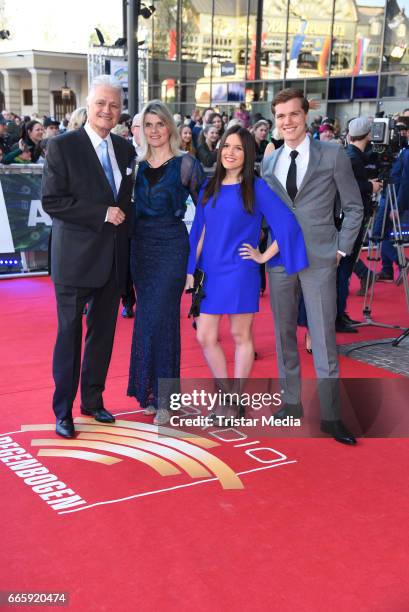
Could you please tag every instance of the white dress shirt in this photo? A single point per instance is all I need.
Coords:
(96, 143)
(138, 148)
(301, 161)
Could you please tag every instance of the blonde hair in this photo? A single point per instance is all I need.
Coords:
(189, 147)
(120, 130)
(259, 123)
(78, 118)
(156, 107)
(234, 122)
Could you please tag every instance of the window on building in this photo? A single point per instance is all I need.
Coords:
(62, 106)
(365, 87)
(340, 89)
(395, 86)
(27, 97)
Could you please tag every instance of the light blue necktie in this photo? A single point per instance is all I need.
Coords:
(107, 166)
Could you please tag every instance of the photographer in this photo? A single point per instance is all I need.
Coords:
(400, 178)
(358, 137)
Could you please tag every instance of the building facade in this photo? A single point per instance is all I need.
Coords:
(351, 57)
(45, 83)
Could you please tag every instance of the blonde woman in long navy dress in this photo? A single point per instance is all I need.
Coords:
(223, 243)
(159, 251)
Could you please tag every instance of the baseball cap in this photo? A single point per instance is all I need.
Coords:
(359, 127)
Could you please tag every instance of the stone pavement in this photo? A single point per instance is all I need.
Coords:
(380, 353)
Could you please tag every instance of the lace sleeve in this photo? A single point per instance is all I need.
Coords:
(192, 175)
(195, 236)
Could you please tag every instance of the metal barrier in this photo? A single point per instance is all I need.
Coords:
(24, 226)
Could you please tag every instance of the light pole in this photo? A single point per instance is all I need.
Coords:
(133, 10)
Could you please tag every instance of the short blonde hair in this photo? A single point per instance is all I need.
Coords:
(156, 107)
(78, 118)
(120, 130)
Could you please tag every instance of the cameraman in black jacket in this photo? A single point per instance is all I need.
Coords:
(399, 176)
(359, 137)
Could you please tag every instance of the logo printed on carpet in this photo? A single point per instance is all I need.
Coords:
(104, 464)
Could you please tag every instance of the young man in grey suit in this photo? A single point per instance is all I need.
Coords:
(306, 174)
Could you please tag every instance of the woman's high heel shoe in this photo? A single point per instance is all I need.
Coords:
(149, 410)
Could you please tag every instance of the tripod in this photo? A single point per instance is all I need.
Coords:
(374, 247)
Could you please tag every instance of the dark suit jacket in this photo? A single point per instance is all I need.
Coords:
(76, 194)
(359, 162)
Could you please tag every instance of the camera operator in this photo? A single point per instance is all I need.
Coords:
(358, 137)
(400, 178)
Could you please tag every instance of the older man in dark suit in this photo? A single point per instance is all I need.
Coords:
(307, 174)
(87, 186)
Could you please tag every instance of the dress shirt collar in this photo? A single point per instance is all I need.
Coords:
(94, 137)
(303, 148)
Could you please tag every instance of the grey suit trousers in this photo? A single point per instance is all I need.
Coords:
(319, 289)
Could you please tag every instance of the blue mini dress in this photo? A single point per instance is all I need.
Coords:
(232, 284)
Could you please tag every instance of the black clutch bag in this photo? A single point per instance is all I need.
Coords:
(197, 292)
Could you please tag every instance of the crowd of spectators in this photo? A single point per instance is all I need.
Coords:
(24, 139)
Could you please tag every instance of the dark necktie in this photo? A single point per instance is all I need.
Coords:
(291, 183)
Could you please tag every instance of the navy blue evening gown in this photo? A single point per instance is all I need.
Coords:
(159, 254)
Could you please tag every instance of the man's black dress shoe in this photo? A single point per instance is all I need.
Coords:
(338, 431)
(386, 277)
(99, 414)
(345, 328)
(347, 319)
(65, 428)
(294, 410)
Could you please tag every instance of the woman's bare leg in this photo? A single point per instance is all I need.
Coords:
(208, 338)
(241, 331)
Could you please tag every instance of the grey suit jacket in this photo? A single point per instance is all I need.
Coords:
(329, 170)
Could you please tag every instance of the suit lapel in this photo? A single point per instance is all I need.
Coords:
(119, 154)
(93, 155)
(313, 163)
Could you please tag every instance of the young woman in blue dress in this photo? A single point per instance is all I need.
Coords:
(223, 243)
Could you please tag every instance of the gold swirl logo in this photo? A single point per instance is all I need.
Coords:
(164, 450)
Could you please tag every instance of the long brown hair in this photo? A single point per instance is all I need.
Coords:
(247, 172)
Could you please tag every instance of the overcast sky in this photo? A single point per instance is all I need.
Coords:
(66, 26)
(58, 26)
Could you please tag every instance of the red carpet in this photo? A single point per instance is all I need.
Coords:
(315, 526)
